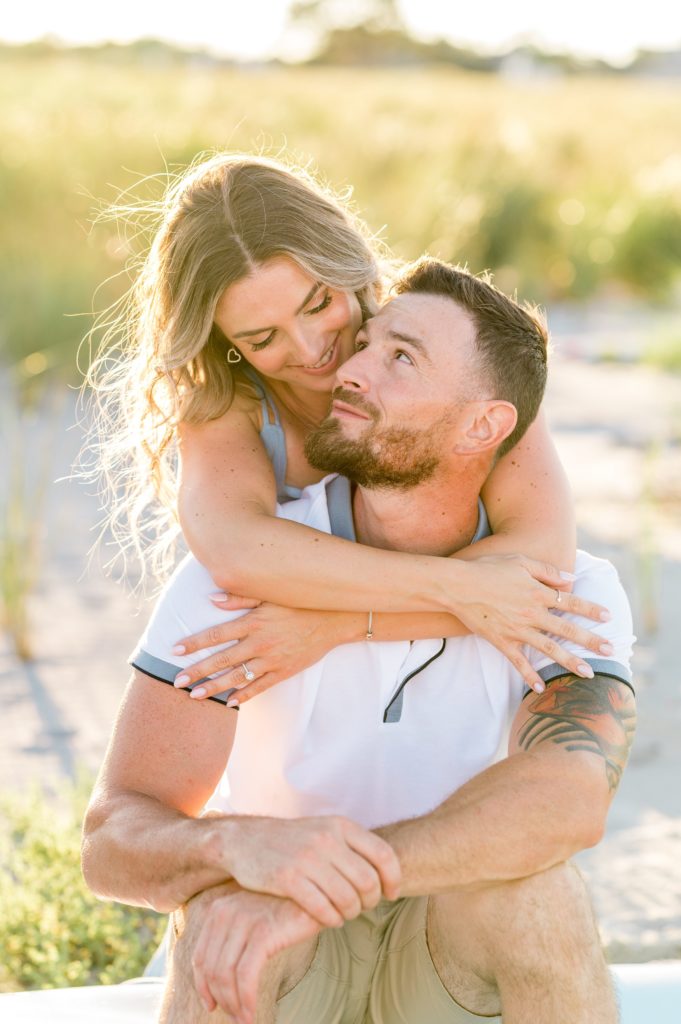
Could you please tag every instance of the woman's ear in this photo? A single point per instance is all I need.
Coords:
(485, 425)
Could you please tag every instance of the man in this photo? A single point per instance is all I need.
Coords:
(366, 858)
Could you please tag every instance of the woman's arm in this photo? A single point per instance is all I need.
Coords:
(277, 643)
(227, 504)
(529, 503)
(227, 511)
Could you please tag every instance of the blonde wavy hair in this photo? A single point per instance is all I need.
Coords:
(162, 360)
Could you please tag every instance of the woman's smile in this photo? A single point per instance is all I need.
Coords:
(288, 326)
(328, 362)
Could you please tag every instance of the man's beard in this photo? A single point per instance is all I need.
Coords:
(396, 457)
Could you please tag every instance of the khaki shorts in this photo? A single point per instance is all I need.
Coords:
(376, 969)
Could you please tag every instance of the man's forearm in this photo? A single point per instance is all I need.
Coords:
(516, 818)
(139, 851)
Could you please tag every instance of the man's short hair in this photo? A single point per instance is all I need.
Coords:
(511, 340)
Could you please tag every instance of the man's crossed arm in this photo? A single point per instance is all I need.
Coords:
(144, 844)
(546, 801)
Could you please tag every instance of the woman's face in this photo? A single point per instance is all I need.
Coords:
(289, 326)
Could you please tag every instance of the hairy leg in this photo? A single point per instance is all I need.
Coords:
(529, 947)
(181, 1002)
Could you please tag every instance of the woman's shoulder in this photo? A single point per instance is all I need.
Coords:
(247, 400)
(243, 415)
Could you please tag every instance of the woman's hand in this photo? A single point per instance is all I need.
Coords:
(273, 643)
(512, 601)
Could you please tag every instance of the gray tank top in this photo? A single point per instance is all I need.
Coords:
(272, 434)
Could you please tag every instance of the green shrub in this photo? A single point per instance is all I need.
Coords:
(53, 932)
(664, 352)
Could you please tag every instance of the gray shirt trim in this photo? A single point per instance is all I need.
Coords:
(339, 500)
(165, 672)
(601, 667)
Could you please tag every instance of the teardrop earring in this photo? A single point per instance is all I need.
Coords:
(233, 356)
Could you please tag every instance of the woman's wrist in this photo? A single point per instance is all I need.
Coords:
(352, 627)
(451, 585)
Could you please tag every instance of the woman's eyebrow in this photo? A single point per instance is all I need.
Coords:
(260, 330)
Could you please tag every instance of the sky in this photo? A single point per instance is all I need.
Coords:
(252, 29)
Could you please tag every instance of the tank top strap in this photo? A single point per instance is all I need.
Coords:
(270, 413)
(273, 437)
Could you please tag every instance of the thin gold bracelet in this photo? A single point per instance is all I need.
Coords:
(370, 631)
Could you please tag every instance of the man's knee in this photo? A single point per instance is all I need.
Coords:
(545, 905)
(539, 910)
(541, 919)
(547, 946)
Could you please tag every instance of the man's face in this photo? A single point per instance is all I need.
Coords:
(399, 400)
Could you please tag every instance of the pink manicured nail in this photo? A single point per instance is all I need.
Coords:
(219, 598)
(198, 691)
(606, 648)
(605, 616)
(539, 687)
(568, 576)
(232, 703)
(178, 649)
(586, 671)
(181, 680)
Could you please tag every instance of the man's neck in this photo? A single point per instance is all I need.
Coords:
(437, 517)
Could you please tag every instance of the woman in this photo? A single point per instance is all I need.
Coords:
(255, 285)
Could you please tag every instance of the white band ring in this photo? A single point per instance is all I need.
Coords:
(559, 597)
(248, 675)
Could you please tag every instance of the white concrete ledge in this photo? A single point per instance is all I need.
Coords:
(649, 994)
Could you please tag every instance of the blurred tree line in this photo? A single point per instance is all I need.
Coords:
(366, 33)
(373, 33)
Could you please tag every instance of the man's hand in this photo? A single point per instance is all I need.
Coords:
(330, 866)
(241, 933)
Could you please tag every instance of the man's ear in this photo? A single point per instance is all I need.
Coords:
(485, 425)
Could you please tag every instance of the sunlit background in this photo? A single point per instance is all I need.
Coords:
(539, 142)
(263, 29)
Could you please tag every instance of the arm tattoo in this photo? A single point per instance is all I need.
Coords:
(584, 714)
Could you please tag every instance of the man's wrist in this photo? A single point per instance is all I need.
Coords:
(218, 841)
(390, 834)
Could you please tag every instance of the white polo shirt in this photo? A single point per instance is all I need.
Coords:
(376, 731)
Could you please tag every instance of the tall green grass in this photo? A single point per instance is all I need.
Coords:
(563, 188)
(31, 402)
(53, 932)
